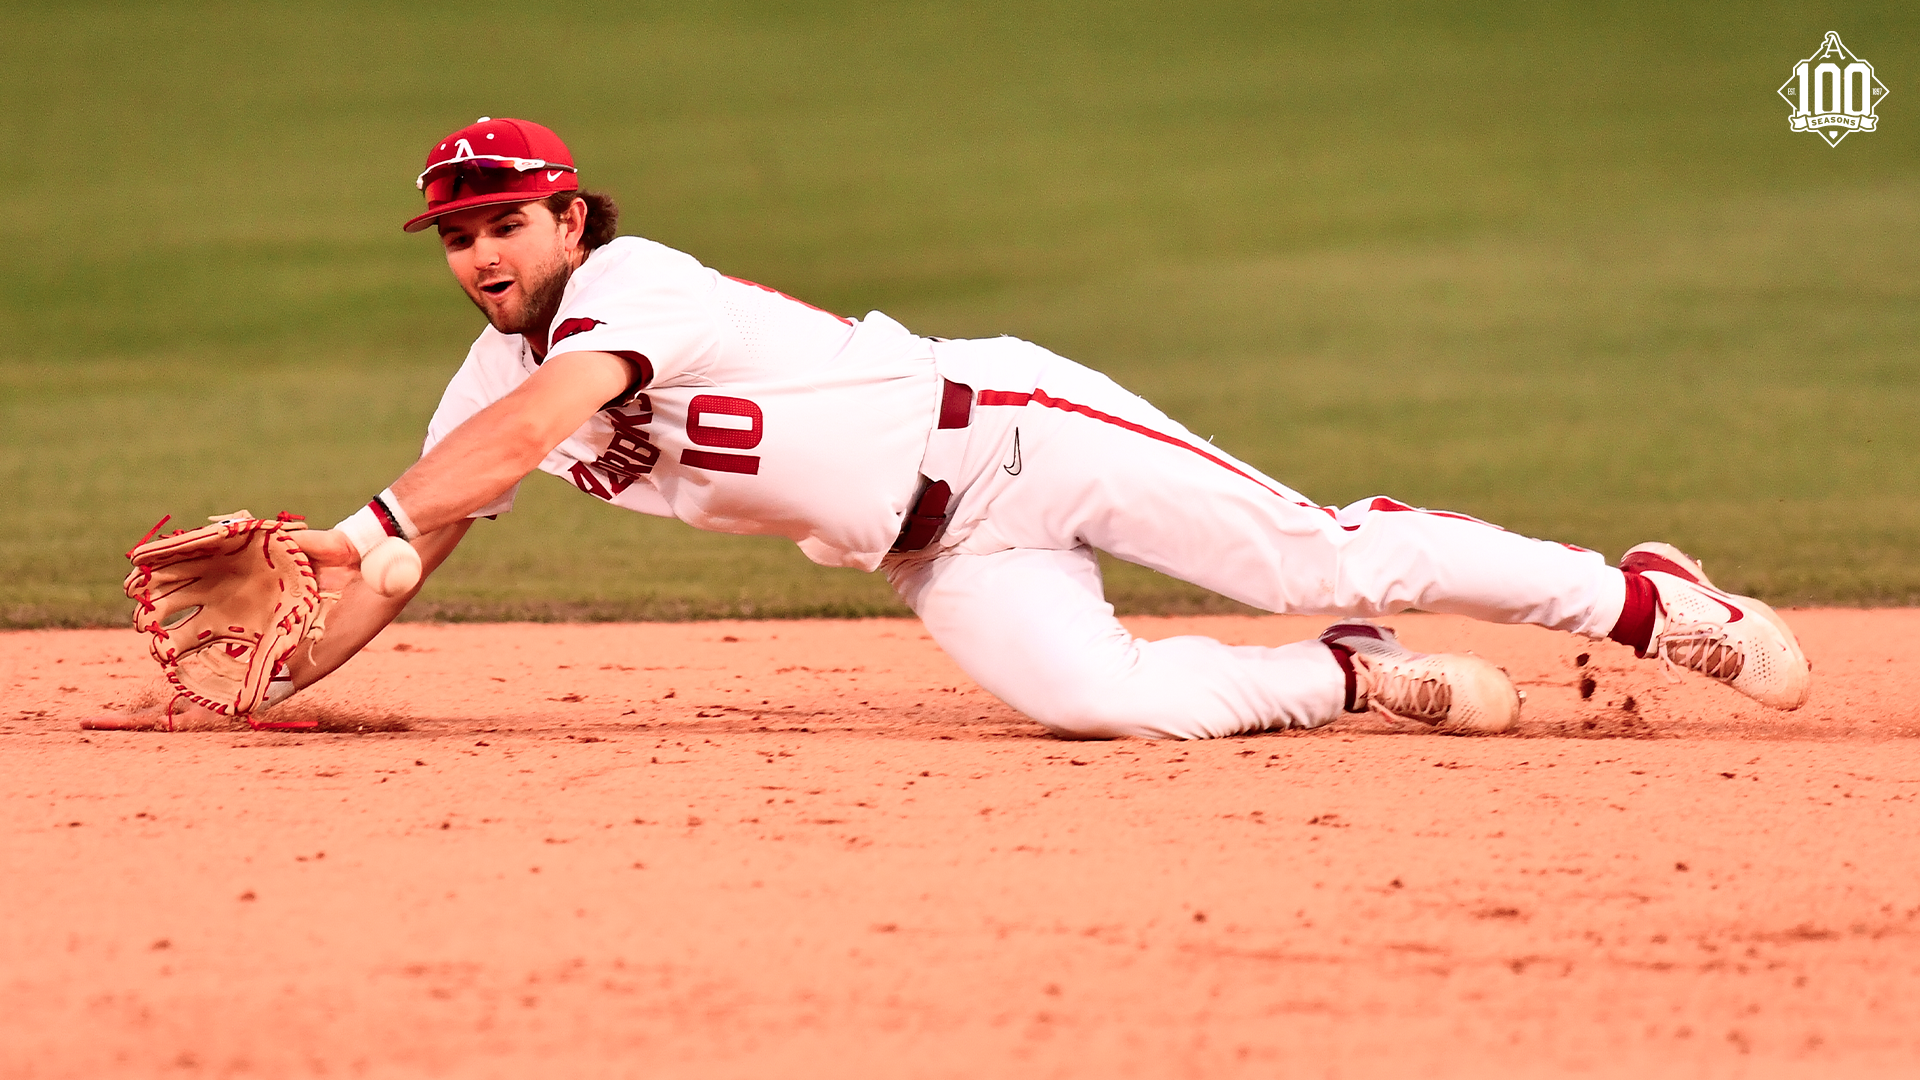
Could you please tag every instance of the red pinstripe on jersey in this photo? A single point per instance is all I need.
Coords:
(784, 296)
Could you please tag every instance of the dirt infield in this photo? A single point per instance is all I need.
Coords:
(813, 849)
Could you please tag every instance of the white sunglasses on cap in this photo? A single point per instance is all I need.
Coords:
(489, 161)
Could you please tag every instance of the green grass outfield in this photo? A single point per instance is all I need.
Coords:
(1561, 267)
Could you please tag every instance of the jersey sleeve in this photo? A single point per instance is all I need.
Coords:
(645, 302)
(489, 373)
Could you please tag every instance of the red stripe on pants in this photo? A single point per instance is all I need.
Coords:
(1041, 397)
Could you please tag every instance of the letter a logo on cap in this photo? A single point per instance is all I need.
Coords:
(492, 161)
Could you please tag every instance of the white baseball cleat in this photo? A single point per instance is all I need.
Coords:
(1733, 639)
(1453, 692)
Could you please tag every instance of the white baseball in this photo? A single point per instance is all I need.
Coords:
(392, 567)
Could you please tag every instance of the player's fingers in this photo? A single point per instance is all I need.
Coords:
(327, 547)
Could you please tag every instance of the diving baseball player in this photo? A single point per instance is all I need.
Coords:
(980, 476)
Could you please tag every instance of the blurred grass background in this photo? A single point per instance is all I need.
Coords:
(1563, 267)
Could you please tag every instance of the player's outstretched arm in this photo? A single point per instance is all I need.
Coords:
(362, 612)
(481, 459)
(501, 444)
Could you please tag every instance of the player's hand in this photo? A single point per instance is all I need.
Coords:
(327, 547)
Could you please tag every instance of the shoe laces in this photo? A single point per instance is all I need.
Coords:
(1402, 695)
(1705, 649)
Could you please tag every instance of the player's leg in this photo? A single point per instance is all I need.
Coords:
(1101, 466)
(1201, 516)
(1032, 627)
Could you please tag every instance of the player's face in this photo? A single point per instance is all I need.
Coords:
(513, 262)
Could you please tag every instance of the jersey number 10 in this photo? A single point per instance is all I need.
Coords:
(727, 423)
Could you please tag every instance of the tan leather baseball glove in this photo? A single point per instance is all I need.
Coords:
(225, 604)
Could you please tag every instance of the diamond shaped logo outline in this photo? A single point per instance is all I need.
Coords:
(1822, 92)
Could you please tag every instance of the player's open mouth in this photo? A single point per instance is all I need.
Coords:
(497, 288)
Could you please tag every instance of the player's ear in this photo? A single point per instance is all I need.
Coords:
(573, 222)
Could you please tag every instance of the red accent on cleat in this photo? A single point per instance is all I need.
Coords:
(1634, 628)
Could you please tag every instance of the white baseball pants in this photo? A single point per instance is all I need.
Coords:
(1059, 460)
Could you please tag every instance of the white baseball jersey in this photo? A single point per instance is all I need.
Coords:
(754, 412)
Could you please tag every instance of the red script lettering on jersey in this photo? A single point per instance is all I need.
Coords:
(629, 455)
(728, 423)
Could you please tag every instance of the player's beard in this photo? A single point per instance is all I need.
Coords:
(541, 289)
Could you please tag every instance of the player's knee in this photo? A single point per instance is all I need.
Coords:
(1092, 715)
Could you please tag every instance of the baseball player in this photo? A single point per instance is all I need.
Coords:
(979, 475)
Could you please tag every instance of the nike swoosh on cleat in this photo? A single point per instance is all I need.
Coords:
(1734, 614)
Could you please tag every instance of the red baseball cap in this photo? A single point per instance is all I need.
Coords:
(493, 161)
